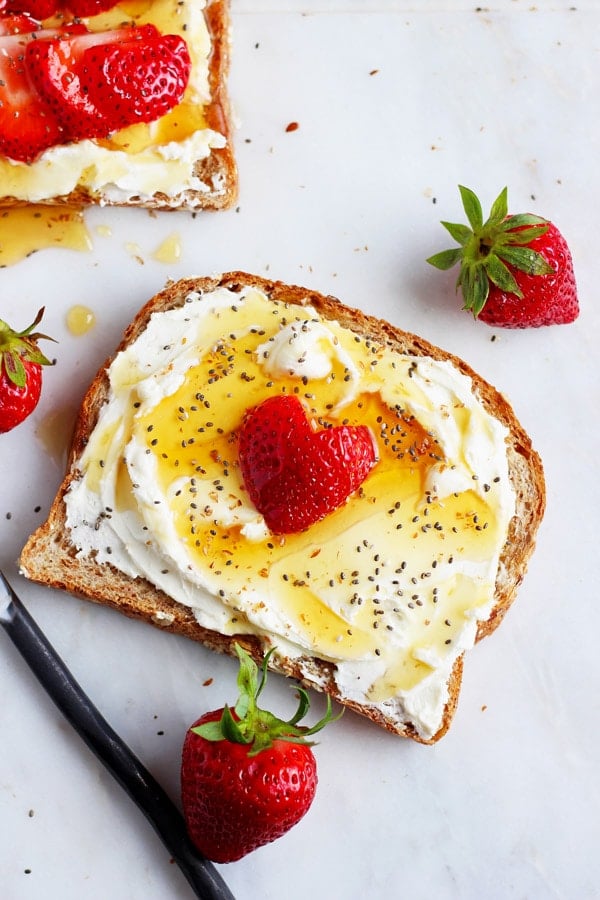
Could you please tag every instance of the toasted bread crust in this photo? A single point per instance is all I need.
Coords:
(220, 166)
(49, 556)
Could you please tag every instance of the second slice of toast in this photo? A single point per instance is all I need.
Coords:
(183, 160)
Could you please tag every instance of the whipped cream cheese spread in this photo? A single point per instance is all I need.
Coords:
(141, 160)
(391, 586)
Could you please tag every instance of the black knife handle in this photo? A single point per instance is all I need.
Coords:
(106, 744)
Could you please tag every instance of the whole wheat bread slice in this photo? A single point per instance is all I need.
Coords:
(50, 557)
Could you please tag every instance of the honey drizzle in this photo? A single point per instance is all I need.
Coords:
(26, 229)
(192, 435)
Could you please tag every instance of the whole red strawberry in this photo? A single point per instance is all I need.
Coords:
(295, 475)
(516, 271)
(247, 777)
(21, 364)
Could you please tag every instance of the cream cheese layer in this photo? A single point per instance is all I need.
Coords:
(391, 586)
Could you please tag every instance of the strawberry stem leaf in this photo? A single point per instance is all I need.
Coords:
(445, 259)
(490, 249)
(526, 259)
(230, 728)
(303, 707)
(499, 210)
(472, 207)
(17, 347)
(520, 220)
(256, 727)
(460, 233)
(15, 369)
(500, 275)
(212, 731)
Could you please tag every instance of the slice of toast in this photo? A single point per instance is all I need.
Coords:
(52, 557)
(185, 160)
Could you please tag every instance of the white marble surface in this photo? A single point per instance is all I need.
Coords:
(507, 805)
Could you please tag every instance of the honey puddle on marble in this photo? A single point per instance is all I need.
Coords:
(25, 229)
(80, 319)
(170, 249)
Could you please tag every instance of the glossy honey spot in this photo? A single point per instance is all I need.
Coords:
(80, 319)
(169, 250)
(26, 229)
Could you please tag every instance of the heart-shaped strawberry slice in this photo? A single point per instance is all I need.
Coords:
(295, 475)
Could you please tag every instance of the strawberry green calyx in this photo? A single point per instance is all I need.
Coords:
(489, 250)
(17, 346)
(258, 728)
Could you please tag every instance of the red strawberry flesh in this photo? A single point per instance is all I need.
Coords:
(81, 8)
(57, 69)
(296, 476)
(27, 125)
(44, 9)
(37, 9)
(547, 299)
(17, 403)
(98, 83)
(68, 84)
(18, 24)
(136, 81)
(21, 364)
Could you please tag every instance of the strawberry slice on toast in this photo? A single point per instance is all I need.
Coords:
(97, 83)
(27, 125)
(295, 475)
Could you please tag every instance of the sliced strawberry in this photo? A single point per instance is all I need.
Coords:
(97, 83)
(27, 126)
(17, 23)
(44, 9)
(37, 9)
(59, 85)
(294, 475)
(81, 8)
(267, 437)
(137, 80)
(54, 70)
